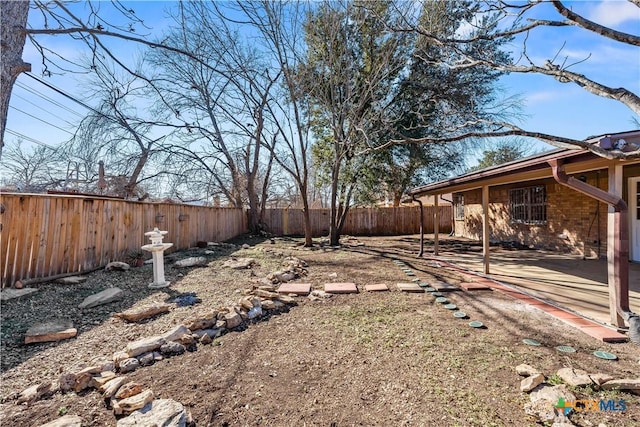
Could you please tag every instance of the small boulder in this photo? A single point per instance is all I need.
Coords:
(146, 359)
(626, 384)
(161, 412)
(133, 403)
(34, 392)
(129, 365)
(239, 263)
(232, 320)
(176, 333)
(101, 298)
(172, 348)
(53, 330)
(526, 370)
(144, 345)
(531, 382)
(71, 280)
(129, 389)
(574, 377)
(117, 266)
(192, 262)
(145, 312)
(543, 399)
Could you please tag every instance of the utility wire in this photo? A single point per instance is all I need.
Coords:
(42, 120)
(28, 138)
(36, 92)
(43, 109)
(66, 95)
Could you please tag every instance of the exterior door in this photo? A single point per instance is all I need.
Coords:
(634, 216)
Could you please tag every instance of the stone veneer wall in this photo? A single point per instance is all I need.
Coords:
(572, 226)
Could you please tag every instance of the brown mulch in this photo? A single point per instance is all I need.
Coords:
(382, 359)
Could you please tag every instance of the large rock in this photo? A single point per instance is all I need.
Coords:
(239, 263)
(531, 382)
(111, 388)
(101, 298)
(526, 370)
(141, 313)
(627, 384)
(161, 412)
(176, 333)
(192, 262)
(232, 320)
(202, 320)
(129, 389)
(172, 348)
(574, 377)
(53, 330)
(11, 293)
(144, 345)
(117, 266)
(71, 280)
(65, 421)
(129, 365)
(34, 392)
(133, 403)
(543, 400)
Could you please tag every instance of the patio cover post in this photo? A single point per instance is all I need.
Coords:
(615, 188)
(485, 227)
(436, 225)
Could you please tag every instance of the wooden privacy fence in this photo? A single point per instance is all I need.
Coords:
(48, 235)
(360, 221)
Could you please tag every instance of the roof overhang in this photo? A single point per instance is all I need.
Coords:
(528, 169)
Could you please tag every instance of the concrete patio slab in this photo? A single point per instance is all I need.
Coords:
(341, 288)
(474, 286)
(295, 288)
(380, 287)
(409, 287)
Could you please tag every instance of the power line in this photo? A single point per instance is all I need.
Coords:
(77, 101)
(43, 109)
(43, 121)
(28, 138)
(35, 92)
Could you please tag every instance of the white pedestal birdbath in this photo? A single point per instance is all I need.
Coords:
(157, 248)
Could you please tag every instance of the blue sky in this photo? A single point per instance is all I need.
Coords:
(549, 106)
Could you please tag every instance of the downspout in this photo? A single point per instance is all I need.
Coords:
(413, 197)
(621, 245)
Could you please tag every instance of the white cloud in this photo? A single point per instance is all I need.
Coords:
(613, 13)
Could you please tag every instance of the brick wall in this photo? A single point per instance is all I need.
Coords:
(575, 222)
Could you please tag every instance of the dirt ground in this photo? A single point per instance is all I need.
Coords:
(366, 359)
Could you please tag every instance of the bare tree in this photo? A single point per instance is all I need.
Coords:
(497, 20)
(81, 21)
(221, 101)
(31, 170)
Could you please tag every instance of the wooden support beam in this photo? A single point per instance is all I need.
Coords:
(615, 188)
(485, 227)
(436, 225)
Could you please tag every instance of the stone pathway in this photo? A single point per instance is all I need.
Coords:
(341, 288)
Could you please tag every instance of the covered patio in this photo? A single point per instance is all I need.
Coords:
(568, 281)
(567, 201)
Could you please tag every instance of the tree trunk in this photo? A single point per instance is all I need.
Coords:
(13, 21)
(308, 232)
(396, 200)
(334, 232)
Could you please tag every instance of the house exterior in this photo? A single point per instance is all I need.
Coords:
(542, 202)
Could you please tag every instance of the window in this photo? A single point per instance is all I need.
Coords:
(528, 205)
(458, 206)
